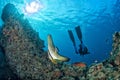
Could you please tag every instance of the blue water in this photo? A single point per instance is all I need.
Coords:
(98, 20)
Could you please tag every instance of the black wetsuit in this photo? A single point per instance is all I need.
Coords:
(83, 49)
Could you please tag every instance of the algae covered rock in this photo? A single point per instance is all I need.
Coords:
(116, 48)
(9, 10)
(21, 44)
(114, 58)
(110, 68)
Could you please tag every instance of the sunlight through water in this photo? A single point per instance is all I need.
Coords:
(32, 7)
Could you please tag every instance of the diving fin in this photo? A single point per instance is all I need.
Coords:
(79, 33)
(72, 39)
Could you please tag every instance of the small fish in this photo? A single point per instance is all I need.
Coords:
(111, 53)
(79, 64)
(107, 41)
(95, 61)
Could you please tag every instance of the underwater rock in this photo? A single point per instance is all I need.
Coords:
(9, 10)
(110, 68)
(2, 58)
(21, 44)
(117, 60)
(96, 72)
(115, 54)
(116, 48)
(5, 72)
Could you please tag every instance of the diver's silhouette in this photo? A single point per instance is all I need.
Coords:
(82, 48)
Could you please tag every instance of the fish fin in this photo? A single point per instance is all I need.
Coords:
(54, 61)
(56, 49)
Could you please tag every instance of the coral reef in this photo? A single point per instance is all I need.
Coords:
(110, 68)
(26, 58)
(21, 44)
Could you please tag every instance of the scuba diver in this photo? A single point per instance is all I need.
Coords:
(82, 48)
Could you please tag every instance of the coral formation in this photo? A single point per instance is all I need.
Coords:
(21, 44)
(110, 68)
(27, 59)
(80, 64)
